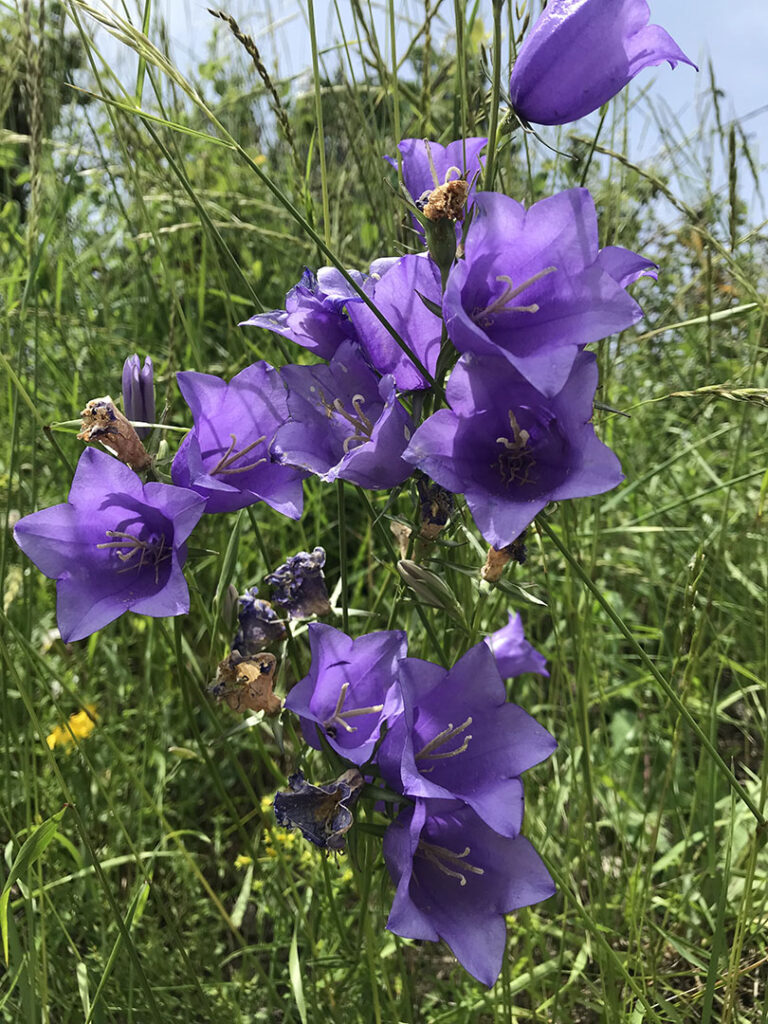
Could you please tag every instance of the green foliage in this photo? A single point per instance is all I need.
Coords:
(170, 893)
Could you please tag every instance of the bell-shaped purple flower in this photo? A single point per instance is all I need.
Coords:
(314, 314)
(513, 653)
(226, 456)
(398, 295)
(534, 285)
(581, 53)
(351, 689)
(116, 545)
(345, 424)
(459, 738)
(299, 585)
(509, 449)
(456, 879)
(139, 393)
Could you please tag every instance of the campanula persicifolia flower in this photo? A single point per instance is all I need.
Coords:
(139, 392)
(511, 450)
(513, 653)
(314, 314)
(456, 879)
(345, 423)
(398, 295)
(322, 813)
(581, 53)
(257, 625)
(226, 456)
(459, 738)
(427, 164)
(534, 285)
(299, 585)
(116, 545)
(351, 689)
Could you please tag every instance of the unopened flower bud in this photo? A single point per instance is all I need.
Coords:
(139, 392)
(104, 423)
(429, 587)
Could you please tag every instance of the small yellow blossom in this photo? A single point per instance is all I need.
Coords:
(266, 804)
(243, 860)
(80, 725)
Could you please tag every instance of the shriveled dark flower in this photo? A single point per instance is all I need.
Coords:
(103, 423)
(116, 545)
(246, 684)
(428, 165)
(314, 315)
(456, 878)
(351, 689)
(436, 506)
(322, 813)
(345, 424)
(580, 53)
(226, 456)
(299, 585)
(139, 392)
(258, 625)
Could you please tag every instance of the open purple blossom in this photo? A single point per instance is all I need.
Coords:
(139, 393)
(299, 585)
(456, 879)
(513, 653)
(351, 689)
(581, 53)
(116, 545)
(257, 625)
(426, 164)
(314, 314)
(345, 423)
(226, 456)
(397, 294)
(511, 450)
(459, 738)
(534, 286)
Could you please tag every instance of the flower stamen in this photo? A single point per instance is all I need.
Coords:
(224, 465)
(501, 304)
(338, 717)
(443, 737)
(448, 861)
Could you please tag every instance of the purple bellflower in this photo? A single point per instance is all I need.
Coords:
(299, 585)
(345, 424)
(581, 53)
(534, 285)
(456, 879)
(513, 654)
(314, 314)
(397, 294)
(351, 689)
(226, 456)
(116, 545)
(139, 393)
(509, 449)
(459, 738)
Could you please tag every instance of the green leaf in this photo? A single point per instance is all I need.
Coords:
(294, 968)
(30, 851)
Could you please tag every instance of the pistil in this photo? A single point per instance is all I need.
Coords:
(448, 861)
(501, 304)
(225, 463)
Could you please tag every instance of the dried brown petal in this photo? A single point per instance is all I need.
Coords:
(104, 424)
(248, 685)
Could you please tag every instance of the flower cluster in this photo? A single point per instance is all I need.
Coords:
(452, 746)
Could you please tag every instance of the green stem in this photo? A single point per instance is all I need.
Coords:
(495, 95)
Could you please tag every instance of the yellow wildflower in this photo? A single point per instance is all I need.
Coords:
(243, 860)
(80, 725)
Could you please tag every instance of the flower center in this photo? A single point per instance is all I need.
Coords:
(338, 718)
(230, 456)
(515, 461)
(136, 552)
(431, 751)
(484, 317)
(448, 861)
(362, 425)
